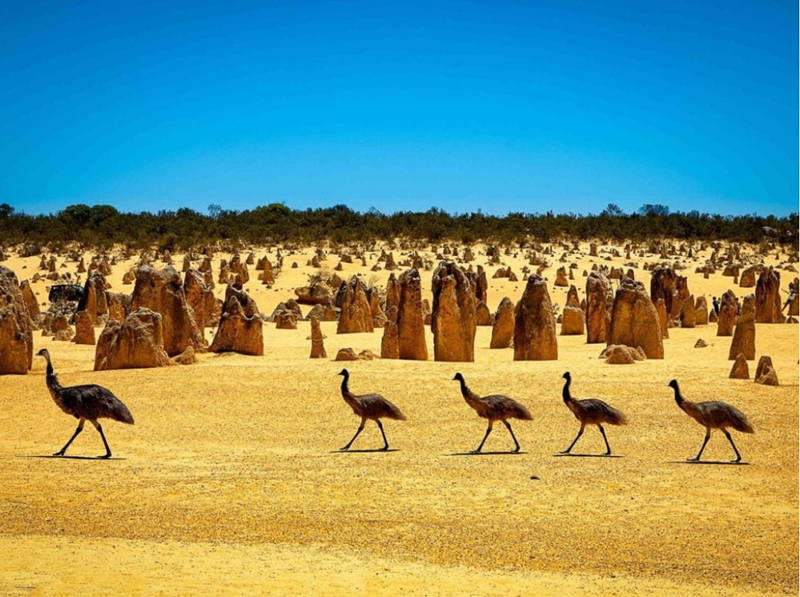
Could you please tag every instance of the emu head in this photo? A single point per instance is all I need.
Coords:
(458, 377)
(673, 384)
(43, 353)
(566, 375)
(343, 372)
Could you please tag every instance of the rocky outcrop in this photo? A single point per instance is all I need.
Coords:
(390, 342)
(453, 320)
(634, 320)
(162, 292)
(29, 298)
(768, 299)
(572, 321)
(662, 286)
(316, 294)
(205, 307)
(701, 311)
(503, 325)
(620, 354)
(137, 342)
(16, 331)
(240, 328)
(317, 345)
(535, 324)
(93, 300)
(356, 315)
(765, 372)
(728, 313)
(599, 300)
(663, 320)
(482, 314)
(410, 319)
(84, 330)
(740, 370)
(688, 314)
(744, 334)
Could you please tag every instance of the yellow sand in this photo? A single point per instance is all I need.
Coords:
(229, 482)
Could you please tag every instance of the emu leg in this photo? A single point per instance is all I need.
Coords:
(488, 431)
(730, 439)
(385, 443)
(703, 447)
(105, 443)
(580, 433)
(516, 443)
(605, 439)
(74, 435)
(359, 430)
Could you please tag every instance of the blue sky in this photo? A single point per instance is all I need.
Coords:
(499, 106)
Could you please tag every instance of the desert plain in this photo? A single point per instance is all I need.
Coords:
(231, 482)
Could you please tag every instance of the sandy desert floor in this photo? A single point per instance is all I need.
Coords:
(229, 482)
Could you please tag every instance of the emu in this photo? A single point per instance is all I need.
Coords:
(713, 415)
(85, 403)
(495, 407)
(368, 406)
(591, 411)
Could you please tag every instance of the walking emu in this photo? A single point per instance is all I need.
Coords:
(591, 411)
(495, 408)
(368, 406)
(85, 403)
(713, 415)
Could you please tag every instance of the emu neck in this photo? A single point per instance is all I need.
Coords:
(470, 396)
(52, 384)
(686, 406)
(348, 396)
(565, 391)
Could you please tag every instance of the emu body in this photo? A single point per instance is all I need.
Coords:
(86, 403)
(372, 407)
(590, 411)
(714, 414)
(494, 407)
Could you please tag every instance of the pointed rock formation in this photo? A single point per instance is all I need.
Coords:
(317, 345)
(137, 342)
(599, 300)
(84, 330)
(356, 315)
(740, 370)
(503, 326)
(162, 292)
(768, 300)
(410, 319)
(240, 328)
(16, 332)
(453, 318)
(744, 334)
(634, 320)
(205, 307)
(728, 312)
(535, 324)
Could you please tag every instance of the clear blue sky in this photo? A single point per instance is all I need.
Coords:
(502, 106)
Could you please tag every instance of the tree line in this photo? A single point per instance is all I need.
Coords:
(101, 226)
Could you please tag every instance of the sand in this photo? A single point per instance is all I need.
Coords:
(229, 482)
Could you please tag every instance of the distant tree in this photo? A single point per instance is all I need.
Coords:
(6, 210)
(214, 209)
(654, 209)
(612, 209)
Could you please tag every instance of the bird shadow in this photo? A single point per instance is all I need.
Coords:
(485, 453)
(717, 462)
(54, 457)
(362, 451)
(560, 455)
